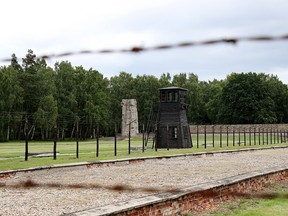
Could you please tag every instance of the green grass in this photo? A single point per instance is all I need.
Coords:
(12, 153)
(258, 206)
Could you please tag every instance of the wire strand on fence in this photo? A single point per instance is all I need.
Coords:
(139, 49)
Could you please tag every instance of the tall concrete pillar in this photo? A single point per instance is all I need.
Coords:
(129, 117)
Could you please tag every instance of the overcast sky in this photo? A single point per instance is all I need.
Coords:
(57, 26)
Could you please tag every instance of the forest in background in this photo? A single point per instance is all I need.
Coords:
(38, 101)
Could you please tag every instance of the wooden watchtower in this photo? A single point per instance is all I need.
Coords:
(172, 126)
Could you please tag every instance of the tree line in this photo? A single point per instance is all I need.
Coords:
(38, 101)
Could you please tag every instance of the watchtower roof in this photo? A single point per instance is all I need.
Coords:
(173, 88)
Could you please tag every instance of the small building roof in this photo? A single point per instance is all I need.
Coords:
(173, 88)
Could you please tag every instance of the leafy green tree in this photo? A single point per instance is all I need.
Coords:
(212, 103)
(196, 99)
(121, 87)
(46, 115)
(279, 94)
(66, 82)
(47, 105)
(10, 101)
(97, 101)
(180, 80)
(165, 80)
(15, 64)
(245, 99)
(147, 96)
(29, 82)
(38, 83)
(83, 97)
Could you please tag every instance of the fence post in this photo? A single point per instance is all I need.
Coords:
(55, 142)
(227, 136)
(197, 136)
(259, 136)
(77, 138)
(156, 138)
(143, 137)
(115, 140)
(277, 135)
(190, 134)
(129, 139)
(244, 136)
(239, 136)
(205, 137)
(220, 136)
(249, 136)
(263, 136)
(97, 140)
(213, 136)
(233, 136)
(26, 138)
(254, 136)
(267, 136)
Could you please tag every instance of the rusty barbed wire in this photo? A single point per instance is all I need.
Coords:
(139, 49)
(28, 184)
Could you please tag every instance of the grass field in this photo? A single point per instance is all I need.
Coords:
(258, 206)
(12, 153)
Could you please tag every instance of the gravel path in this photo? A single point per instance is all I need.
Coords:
(166, 173)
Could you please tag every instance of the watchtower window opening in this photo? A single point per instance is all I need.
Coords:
(163, 96)
(175, 96)
(182, 96)
(174, 132)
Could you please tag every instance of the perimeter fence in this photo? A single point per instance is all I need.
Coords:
(204, 138)
(238, 135)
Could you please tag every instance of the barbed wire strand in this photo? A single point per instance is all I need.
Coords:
(28, 184)
(139, 49)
